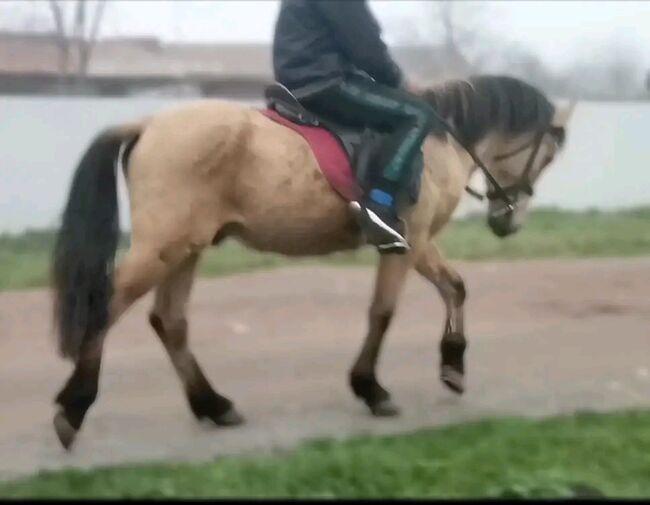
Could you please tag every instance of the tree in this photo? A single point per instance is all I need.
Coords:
(76, 28)
(458, 28)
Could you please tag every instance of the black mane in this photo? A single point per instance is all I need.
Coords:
(482, 104)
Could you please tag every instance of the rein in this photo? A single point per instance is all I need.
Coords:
(498, 192)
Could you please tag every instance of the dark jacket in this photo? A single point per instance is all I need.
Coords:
(319, 42)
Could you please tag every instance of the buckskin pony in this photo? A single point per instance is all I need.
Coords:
(207, 170)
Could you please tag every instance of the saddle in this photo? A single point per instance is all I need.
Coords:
(359, 148)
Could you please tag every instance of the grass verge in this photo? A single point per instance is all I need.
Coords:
(24, 258)
(587, 454)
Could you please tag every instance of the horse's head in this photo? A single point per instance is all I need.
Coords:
(517, 162)
(513, 127)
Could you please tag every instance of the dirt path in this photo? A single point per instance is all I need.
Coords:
(545, 337)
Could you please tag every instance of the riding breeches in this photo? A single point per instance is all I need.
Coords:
(406, 119)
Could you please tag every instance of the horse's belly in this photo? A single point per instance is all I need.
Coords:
(309, 229)
(300, 215)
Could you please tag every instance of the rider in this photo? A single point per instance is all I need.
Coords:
(330, 54)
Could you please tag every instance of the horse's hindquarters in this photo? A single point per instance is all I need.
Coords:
(212, 170)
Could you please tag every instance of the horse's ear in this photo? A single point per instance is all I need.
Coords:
(563, 114)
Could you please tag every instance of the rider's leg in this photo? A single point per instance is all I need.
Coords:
(365, 103)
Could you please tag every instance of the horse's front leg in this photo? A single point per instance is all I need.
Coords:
(363, 379)
(433, 267)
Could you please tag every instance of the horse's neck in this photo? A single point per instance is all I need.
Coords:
(455, 102)
(450, 168)
(466, 166)
(459, 104)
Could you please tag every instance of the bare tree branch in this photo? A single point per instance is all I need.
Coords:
(86, 49)
(62, 41)
(57, 13)
(97, 20)
(79, 20)
(76, 44)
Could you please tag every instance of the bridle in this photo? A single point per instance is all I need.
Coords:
(523, 184)
(497, 192)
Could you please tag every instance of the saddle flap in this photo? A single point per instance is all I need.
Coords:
(281, 100)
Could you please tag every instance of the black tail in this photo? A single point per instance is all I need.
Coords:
(84, 254)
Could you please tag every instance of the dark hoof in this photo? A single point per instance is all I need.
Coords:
(384, 408)
(64, 430)
(453, 379)
(230, 418)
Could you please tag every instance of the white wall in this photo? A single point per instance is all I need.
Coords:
(606, 163)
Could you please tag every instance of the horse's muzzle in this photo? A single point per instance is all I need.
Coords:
(502, 226)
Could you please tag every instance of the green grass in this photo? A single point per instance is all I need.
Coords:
(554, 233)
(24, 259)
(585, 454)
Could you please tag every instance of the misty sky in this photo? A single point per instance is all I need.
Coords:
(558, 31)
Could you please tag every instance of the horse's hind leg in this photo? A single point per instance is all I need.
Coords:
(79, 392)
(363, 379)
(168, 319)
(141, 269)
(433, 267)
